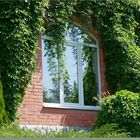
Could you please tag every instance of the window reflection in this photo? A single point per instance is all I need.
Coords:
(89, 67)
(70, 76)
(61, 67)
(50, 76)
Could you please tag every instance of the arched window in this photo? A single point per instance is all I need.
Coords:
(71, 73)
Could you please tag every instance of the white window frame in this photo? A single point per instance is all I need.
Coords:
(79, 105)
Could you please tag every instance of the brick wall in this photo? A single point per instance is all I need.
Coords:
(32, 111)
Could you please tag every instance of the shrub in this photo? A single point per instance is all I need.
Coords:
(122, 108)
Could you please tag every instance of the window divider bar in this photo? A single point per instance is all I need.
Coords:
(72, 43)
(99, 72)
(61, 92)
(80, 76)
(61, 87)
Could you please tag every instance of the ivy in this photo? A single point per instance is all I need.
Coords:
(118, 23)
(123, 109)
(20, 24)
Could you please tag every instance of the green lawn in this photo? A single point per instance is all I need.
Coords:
(13, 131)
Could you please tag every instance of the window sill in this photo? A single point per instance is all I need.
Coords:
(70, 106)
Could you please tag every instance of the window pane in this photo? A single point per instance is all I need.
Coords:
(70, 76)
(89, 66)
(50, 75)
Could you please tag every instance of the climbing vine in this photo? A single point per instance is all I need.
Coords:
(117, 21)
(20, 23)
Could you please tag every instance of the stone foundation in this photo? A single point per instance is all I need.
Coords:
(54, 129)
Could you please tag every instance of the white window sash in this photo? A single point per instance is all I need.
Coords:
(99, 73)
(70, 106)
(80, 76)
(79, 105)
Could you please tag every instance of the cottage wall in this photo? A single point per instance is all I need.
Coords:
(32, 113)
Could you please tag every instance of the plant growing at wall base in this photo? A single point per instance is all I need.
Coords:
(122, 108)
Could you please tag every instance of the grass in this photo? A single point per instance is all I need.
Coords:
(107, 131)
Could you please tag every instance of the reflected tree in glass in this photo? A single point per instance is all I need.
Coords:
(60, 72)
(70, 76)
(89, 75)
(50, 74)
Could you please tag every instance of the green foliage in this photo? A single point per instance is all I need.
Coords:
(107, 131)
(118, 23)
(3, 115)
(122, 54)
(122, 108)
(20, 23)
(13, 131)
(57, 18)
(89, 78)
(110, 130)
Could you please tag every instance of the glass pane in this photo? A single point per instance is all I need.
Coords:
(50, 75)
(70, 76)
(89, 66)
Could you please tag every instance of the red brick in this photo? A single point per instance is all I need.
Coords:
(32, 111)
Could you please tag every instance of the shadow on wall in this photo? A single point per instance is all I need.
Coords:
(70, 117)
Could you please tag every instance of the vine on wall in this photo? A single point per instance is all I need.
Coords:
(117, 21)
(20, 23)
(118, 24)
